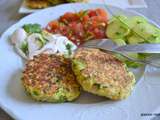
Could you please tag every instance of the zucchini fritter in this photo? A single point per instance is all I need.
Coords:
(77, 0)
(49, 78)
(56, 2)
(37, 4)
(102, 74)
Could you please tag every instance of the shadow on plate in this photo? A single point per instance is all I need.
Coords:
(16, 90)
(87, 98)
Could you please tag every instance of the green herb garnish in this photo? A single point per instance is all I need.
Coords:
(82, 14)
(24, 47)
(97, 85)
(32, 28)
(69, 48)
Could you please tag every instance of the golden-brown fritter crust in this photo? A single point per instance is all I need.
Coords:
(103, 66)
(37, 4)
(103, 74)
(77, 0)
(46, 74)
(56, 2)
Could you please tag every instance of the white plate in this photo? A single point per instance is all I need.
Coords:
(14, 101)
(118, 3)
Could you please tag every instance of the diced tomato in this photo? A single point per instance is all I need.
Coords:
(85, 18)
(79, 27)
(82, 26)
(99, 19)
(92, 13)
(99, 33)
(101, 12)
(69, 17)
(54, 24)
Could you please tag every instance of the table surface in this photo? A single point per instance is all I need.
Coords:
(9, 16)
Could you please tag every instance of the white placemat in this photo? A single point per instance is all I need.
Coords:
(118, 3)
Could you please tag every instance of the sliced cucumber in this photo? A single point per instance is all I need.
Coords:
(154, 39)
(145, 30)
(133, 21)
(120, 17)
(119, 42)
(135, 39)
(135, 30)
(120, 57)
(133, 55)
(116, 30)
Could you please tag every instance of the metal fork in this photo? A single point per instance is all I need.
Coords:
(107, 45)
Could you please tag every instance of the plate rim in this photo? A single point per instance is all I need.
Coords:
(6, 109)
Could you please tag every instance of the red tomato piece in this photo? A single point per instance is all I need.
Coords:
(101, 12)
(69, 17)
(92, 13)
(85, 18)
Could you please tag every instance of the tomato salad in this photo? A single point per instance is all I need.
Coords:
(82, 26)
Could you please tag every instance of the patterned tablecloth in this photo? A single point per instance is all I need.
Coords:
(9, 15)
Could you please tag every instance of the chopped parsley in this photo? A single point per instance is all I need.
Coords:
(24, 47)
(97, 85)
(32, 28)
(69, 48)
(82, 14)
